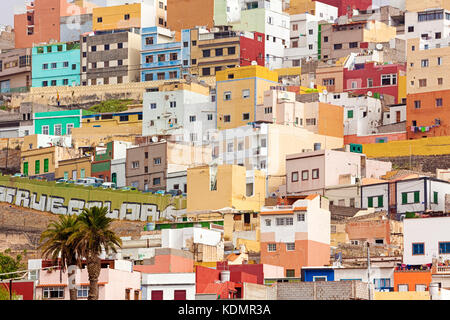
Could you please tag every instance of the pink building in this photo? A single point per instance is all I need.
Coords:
(167, 260)
(313, 172)
(117, 283)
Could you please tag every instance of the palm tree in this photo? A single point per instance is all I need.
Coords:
(55, 243)
(92, 236)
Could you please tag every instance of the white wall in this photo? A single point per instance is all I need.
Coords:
(178, 177)
(376, 168)
(430, 231)
(361, 273)
(392, 114)
(168, 283)
(374, 191)
(177, 238)
(422, 27)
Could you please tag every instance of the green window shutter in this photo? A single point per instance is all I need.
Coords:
(66, 175)
(82, 173)
(380, 201)
(435, 197)
(404, 198)
(45, 165)
(370, 202)
(416, 197)
(37, 166)
(25, 168)
(350, 114)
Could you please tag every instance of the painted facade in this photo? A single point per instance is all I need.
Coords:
(56, 65)
(201, 14)
(296, 236)
(73, 169)
(15, 73)
(224, 186)
(101, 162)
(58, 123)
(168, 286)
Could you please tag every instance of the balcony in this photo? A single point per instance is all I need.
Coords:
(443, 269)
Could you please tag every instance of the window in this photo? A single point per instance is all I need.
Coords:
(53, 292)
(126, 16)
(267, 110)
(294, 176)
(245, 93)
(328, 82)
(206, 71)
(289, 221)
(99, 19)
(268, 222)
(172, 74)
(424, 63)
(280, 221)
(173, 104)
(410, 197)
(444, 247)
(69, 128)
(439, 61)
(44, 83)
(410, 28)
(382, 283)
(219, 52)
(271, 247)
(325, 39)
(439, 102)
(120, 45)
(311, 122)
(337, 46)
(93, 48)
(246, 116)
(379, 201)
(290, 246)
(421, 287)
(148, 59)
(435, 197)
(53, 83)
(209, 116)
(403, 287)
(65, 82)
(419, 248)
(315, 174)
(353, 45)
(305, 175)
(123, 118)
(57, 129)
(300, 217)
(227, 118)
(37, 166)
(319, 278)
(192, 118)
(161, 57)
(350, 114)
(379, 241)
(417, 104)
(296, 63)
(388, 79)
(227, 95)
(135, 164)
(206, 53)
(83, 292)
(295, 44)
(422, 82)
(370, 83)
(45, 165)
(173, 56)
(156, 161)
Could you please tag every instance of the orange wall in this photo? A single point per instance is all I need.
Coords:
(167, 264)
(201, 13)
(412, 278)
(307, 253)
(369, 230)
(371, 139)
(331, 119)
(46, 24)
(427, 112)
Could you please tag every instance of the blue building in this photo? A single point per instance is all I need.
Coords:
(310, 274)
(161, 56)
(56, 65)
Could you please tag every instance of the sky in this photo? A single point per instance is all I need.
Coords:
(7, 10)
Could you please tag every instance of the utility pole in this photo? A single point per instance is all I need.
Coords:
(10, 289)
(368, 268)
(7, 150)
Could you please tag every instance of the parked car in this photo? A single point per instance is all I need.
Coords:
(21, 175)
(87, 182)
(174, 192)
(109, 185)
(159, 192)
(62, 181)
(127, 188)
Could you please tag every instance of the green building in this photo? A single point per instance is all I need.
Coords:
(58, 123)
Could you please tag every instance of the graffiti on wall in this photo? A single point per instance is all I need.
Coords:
(64, 200)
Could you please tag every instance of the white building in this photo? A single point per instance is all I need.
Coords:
(425, 239)
(265, 16)
(118, 173)
(168, 286)
(188, 115)
(179, 238)
(176, 180)
(434, 23)
(411, 195)
(304, 33)
(362, 115)
(396, 114)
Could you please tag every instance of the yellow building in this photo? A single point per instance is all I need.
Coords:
(95, 128)
(225, 186)
(116, 17)
(414, 5)
(239, 91)
(43, 162)
(73, 169)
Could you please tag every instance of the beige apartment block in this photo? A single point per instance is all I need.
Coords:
(414, 5)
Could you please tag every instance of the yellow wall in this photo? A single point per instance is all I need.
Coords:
(74, 164)
(401, 88)
(113, 17)
(133, 125)
(289, 71)
(405, 295)
(250, 245)
(414, 5)
(301, 6)
(422, 147)
(231, 189)
(377, 31)
(32, 156)
(257, 79)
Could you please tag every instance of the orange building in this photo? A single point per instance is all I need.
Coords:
(40, 21)
(370, 231)
(201, 13)
(167, 260)
(412, 280)
(297, 235)
(427, 114)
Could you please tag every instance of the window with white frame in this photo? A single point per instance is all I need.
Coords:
(57, 129)
(388, 79)
(246, 93)
(152, 105)
(227, 95)
(289, 221)
(240, 146)
(280, 221)
(69, 128)
(45, 129)
(210, 116)
(230, 147)
(271, 247)
(290, 246)
(173, 104)
(156, 160)
(263, 143)
(82, 292)
(135, 164)
(192, 118)
(53, 292)
(300, 217)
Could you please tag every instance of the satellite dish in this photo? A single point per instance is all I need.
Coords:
(369, 93)
(254, 63)
(379, 46)
(325, 91)
(155, 139)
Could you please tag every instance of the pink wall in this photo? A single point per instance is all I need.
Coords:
(167, 264)
(371, 139)
(305, 163)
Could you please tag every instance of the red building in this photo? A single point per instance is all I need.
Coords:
(24, 288)
(380, 79)
(252, 49)
(347, 6)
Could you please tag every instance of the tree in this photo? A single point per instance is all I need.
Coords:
(93, 235)
(55, 243)
(4, 294)
(10, 264)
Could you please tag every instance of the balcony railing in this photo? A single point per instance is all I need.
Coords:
(443, 269)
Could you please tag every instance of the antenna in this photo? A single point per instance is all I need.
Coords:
(154, 139)
(369, 93)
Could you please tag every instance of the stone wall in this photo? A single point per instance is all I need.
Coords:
(420, 163)
(447, 203)
(332, 290)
